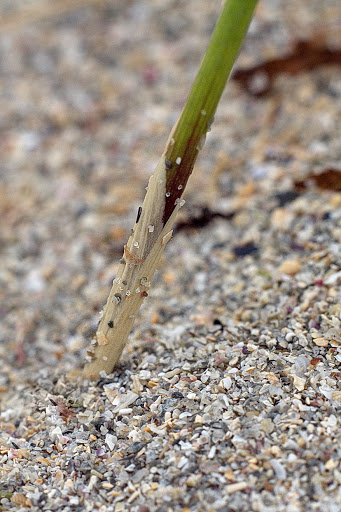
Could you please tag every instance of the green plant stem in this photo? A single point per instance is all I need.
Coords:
(198, 114)
(153, 228)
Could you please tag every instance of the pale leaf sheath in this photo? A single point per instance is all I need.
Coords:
(131, 285)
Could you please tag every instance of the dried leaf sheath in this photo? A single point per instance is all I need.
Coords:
(153, 228)
(130, 287)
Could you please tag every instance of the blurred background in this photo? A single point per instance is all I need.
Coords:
(89, 90)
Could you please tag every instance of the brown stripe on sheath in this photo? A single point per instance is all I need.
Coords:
(179, 177)
(187, 150)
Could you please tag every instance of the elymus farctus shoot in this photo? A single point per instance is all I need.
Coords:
(164, 197)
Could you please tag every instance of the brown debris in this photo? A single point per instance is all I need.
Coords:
(65, 412)
(305, 56)
(329, 179)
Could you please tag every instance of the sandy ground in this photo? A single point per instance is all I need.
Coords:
(228, 395)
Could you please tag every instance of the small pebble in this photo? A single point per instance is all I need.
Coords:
(290, 267)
